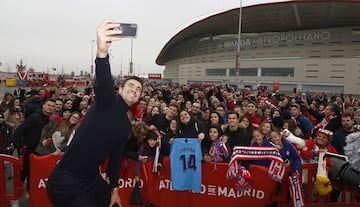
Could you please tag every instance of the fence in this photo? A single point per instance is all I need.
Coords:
(5, 197)
(216, 189)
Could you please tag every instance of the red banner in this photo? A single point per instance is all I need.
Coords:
(40, 169)
(215, 188)
(156, 188)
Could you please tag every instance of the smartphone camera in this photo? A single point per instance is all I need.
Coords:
(127, 29)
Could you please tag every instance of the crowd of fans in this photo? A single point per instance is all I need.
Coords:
(221, 117)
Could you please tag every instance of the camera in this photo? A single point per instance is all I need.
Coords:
(127, 29)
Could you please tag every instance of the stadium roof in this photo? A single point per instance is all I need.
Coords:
(272, 17)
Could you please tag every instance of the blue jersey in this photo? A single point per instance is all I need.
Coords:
(185, 163)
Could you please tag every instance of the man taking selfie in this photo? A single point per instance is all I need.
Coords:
(76, 180)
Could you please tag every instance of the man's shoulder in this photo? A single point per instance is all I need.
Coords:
(159, 116)
(340, 132)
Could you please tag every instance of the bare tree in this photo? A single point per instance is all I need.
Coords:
(21, 67)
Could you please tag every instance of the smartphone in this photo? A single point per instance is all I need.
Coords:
(128, 29)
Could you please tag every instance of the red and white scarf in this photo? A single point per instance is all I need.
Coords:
(157, 151)
(295, 191)
(325, 121)
(276, 170)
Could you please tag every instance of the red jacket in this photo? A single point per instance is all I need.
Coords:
(310, 153)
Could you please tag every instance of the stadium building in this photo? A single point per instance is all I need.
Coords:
(309, 45)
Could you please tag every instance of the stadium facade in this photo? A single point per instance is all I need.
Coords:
(309, 45)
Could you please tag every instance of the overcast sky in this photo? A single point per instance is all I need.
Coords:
(48, 34)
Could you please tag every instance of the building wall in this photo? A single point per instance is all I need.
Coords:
(319, 59)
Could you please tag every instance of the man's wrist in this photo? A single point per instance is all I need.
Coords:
(114, 190)
(100, 54)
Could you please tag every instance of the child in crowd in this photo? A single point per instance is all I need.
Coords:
(288, 152)
(146, 150)
(293, 165)
(266, 127)
(218, 151)
(258, 140)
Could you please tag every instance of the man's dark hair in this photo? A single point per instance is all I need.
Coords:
(221, 105)
(233, 112)
(175, 106)
(347, 115)
(133, 78)
(334, 108)
(59, 99)
(49, 99)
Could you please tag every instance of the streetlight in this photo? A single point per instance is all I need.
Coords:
(92, 58)
(237, 66)
(121, 66)
(131, 58)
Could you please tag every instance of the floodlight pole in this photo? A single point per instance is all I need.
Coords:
(92, 59)
(131, 69)
(237, 62)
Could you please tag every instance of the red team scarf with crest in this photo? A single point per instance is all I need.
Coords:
(235, 171)
(218, 150)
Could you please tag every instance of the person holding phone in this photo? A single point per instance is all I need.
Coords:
(76, 180)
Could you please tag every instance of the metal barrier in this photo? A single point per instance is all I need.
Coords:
(16, 163)
(312, 199)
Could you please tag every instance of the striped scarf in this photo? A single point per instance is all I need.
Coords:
(157, 151)
(297, 199)
(276, 170)
(325, 121)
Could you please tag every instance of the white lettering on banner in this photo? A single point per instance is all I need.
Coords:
(165, 184)
(42, 183)
(211, 190)
(129, 183)
(214, 190)
(277, 38)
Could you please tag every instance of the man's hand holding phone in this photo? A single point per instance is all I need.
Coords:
(109, 31)
(105, 35)
(127, 30)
